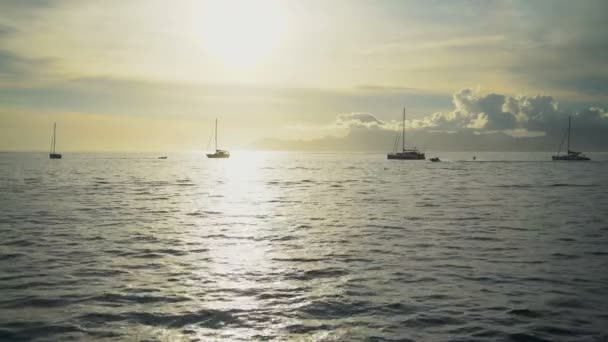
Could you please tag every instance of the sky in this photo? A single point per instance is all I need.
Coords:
(283, 74)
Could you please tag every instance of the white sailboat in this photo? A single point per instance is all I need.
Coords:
(218, 153)
(54, 154)
(571, 155)
(406, 154)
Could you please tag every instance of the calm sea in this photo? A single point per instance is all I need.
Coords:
(303, 246)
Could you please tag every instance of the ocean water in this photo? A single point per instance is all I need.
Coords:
(303, 246)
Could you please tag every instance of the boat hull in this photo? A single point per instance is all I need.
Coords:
(218, 156)
(406, 156)
(571, 158)
(55, 155)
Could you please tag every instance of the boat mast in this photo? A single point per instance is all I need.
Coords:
(54, 135)
(569, 119)
(216, 134)
(403, 132)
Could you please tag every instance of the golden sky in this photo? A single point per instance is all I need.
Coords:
(150, 74)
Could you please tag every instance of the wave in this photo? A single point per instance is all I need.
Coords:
(435, 321)
(38, 302)
(317, 274)
(307, 329)
(328, 309)
(109, 250)
(138, 298)
(544, 185)
(301, 260)
(34, 330)
(525, 313)
(526, 337)
(207, 318)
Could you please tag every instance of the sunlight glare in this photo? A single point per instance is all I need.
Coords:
(242, 33)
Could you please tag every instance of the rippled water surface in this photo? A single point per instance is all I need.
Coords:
(297, 246)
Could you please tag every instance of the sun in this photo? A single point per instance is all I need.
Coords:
(242, 32)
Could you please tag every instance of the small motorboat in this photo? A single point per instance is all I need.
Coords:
(163, 157)
(435, 159)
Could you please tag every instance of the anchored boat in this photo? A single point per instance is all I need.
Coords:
(405, 154)
(218, 153)
(571, 155)
(54, 154)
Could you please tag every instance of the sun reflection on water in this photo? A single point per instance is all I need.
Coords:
(238, 207)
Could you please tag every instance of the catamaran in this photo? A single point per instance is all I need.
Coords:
(218, 153)
(405, 154)
(53, 154)
(571, 155)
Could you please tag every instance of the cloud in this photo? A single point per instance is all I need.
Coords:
(591, 85)
(593, 114)
(484, 113)
(535, 112)
(18, 4)
(517, 115)
(477, 122)
(509, 44)
(381, 88)
(6, 30)
(565, 58)
(358, 120)
(474, 111)
(16, 69)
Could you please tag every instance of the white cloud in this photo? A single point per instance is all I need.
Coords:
(517, 116)
(355, 120)
(493, 122)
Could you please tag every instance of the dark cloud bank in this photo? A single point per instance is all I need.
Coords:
(490, 122)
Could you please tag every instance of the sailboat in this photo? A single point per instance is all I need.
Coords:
(406, 154)
(53, 154)
(571, 155)
(218, 153)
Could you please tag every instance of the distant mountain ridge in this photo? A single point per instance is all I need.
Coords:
(469, 140)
